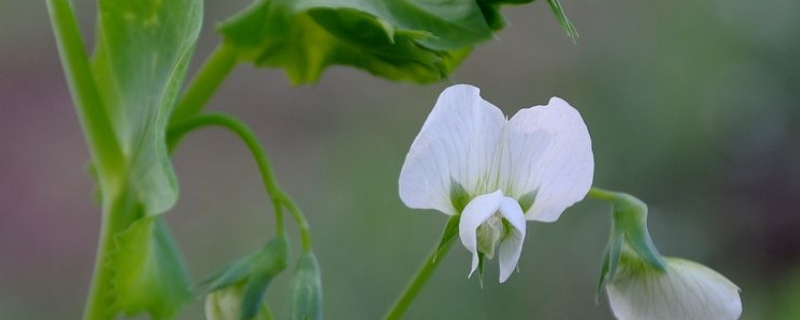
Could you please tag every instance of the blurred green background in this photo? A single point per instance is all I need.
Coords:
(692, 106)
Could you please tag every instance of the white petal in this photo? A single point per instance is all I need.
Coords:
(687, 291)
(458, 142)
(549, 154)
(476, 213)
(511, 246)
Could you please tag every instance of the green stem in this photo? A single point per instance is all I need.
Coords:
(100, 137)
(415, 286)
(105, 151)
(277, 195)
(211, 75)
(602, 194)
(117, 216)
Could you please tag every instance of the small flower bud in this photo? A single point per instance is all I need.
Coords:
(224, 304)
(237, 291)
(306, 289)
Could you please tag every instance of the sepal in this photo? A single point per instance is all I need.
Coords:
(628, 233)
(306, 289)
(252, 274)
(449, 234)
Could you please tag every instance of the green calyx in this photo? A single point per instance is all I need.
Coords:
(252, 274)
(459, 196)
(306, 289)
(630, 242)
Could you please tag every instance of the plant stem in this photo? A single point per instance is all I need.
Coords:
(105, 151)
(211, 75)
(100, 137)
(117, 216)
(277, 195)
(423, 274)
(602, 194)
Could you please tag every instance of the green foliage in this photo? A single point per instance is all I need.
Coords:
(306, 289)
(143, 48)
(416, 40)
(148, 273)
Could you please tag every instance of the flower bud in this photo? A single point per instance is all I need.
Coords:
(684, 290)
(226, 304)
(237, 291)
(306, 289)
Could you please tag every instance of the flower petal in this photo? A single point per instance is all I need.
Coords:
(511, 245)
(687, 291)
(476, 213)
(457, 143)
(548, 156)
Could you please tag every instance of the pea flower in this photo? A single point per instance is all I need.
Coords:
(685, 290)
(469, 159)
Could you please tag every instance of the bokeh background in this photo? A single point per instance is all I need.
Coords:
(692, 106)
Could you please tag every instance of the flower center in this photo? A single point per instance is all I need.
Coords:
(490, 234)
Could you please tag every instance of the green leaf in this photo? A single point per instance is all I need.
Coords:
(491, 11)
(143, 49)
(417, 40)
(561, 16)
(148, 272)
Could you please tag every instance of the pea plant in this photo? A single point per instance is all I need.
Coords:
(489, 173)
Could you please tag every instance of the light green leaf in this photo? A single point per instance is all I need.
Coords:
(148, 272)
(143, 48)
(417, 40)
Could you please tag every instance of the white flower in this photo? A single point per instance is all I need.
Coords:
(685, 290)
(531, 167)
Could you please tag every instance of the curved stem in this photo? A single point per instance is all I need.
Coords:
(415, 286)
(277, 195)
(602, 194)
(211, 75)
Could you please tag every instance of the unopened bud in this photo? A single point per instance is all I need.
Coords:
(306, 289)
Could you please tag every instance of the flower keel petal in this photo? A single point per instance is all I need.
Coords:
(476, 213)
